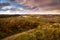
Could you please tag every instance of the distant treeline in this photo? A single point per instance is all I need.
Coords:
(15, 15)
(6, 16)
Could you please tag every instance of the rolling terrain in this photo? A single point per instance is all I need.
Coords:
(30, 27)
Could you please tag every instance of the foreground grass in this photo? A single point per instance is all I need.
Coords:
(46, 32)
(14, 25)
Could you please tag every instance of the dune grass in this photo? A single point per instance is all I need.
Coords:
(47, 32)
(14, 25)
(46, 28)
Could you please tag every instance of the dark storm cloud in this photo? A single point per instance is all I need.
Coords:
(12, 0)
(4, 4)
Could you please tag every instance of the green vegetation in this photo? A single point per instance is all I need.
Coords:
(46, 27)
(14, 25)
(47, 32)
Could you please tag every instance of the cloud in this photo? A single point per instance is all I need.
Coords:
(35, 4)
(12, 0)
(28, 12)
(41, 4)
(4, 4)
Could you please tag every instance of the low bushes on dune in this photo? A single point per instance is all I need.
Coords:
(42, 33)
(9, 26)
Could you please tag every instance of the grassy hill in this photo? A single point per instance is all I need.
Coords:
(47, 27)
(14, 25)
(46, 32)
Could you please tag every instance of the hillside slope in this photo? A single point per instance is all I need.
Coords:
(42, 32)
(23, 23)
(16, 35)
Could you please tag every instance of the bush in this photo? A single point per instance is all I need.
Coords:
(41, 33)
(12, 25)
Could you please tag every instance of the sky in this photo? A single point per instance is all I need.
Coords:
(12, 5)
(30, 7)
(44, 4)
(3, 1)
(15, 4)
